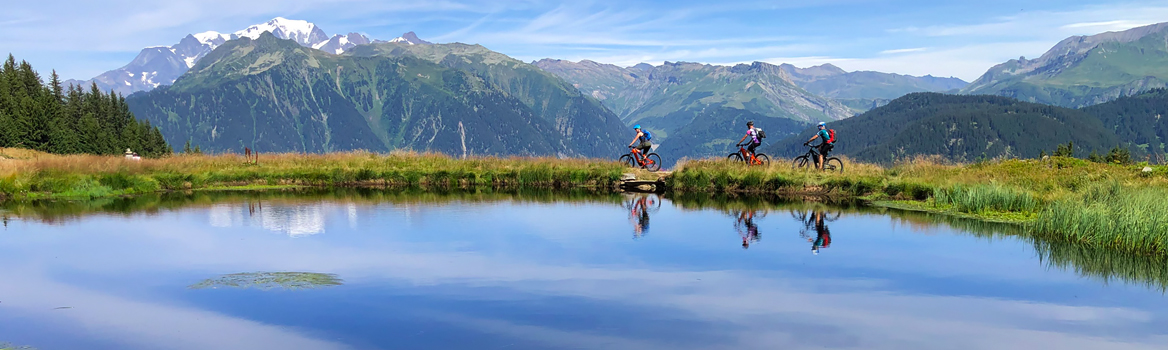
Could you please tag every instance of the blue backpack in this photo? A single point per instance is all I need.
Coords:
(648, 135)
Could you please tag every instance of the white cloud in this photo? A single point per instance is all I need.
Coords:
(896, 51)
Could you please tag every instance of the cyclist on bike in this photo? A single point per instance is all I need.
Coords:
(824, 146)
(754, 140)
(645, 143)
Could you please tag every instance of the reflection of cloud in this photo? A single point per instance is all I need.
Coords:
(144, 324)
(225, 215)
(742, 309)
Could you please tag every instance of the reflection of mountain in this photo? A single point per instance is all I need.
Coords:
(293, 220)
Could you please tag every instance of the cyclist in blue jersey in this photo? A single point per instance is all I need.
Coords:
(824, 146)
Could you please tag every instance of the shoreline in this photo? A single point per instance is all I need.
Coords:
(1114, 206)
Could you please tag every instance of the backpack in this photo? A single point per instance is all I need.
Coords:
(831, 132)
(761, 134)
(648, 135)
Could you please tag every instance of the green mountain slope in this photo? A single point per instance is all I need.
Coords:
(862, 90)
(960, 128)
(682, 102)
(274, 95)
(1084, 70)
(1141, 120)
(641, 92)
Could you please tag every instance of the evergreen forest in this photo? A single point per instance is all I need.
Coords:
(69, 120)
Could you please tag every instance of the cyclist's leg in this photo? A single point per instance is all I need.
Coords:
(751, 148)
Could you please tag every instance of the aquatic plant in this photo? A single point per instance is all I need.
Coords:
(271, 280)
(1109, 215)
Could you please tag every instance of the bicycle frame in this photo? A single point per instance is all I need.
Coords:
(747, 155)
(636, 152)
(813, 154)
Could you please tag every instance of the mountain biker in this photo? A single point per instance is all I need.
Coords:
(645, 143)
(753, 135)
(824, 146)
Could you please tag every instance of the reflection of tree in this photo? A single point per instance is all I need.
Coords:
(271, 280)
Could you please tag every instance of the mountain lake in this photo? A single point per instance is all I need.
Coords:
(369, 269)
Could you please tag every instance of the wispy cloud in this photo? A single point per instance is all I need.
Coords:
(896, 51)
(611, 31)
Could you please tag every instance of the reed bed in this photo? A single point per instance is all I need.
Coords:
(1110, 215)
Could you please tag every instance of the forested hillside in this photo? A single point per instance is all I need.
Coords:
(961, 128)
(56, 119)
(274, 95)
(1141, 119)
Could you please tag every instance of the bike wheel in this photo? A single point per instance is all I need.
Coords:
(834, 165)
(735, 157)
(653, 162)
(800, 162)
(764, 159)
(627, 160)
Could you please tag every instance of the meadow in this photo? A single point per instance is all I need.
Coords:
(1111, 206)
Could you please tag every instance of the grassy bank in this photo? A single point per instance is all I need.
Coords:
(1117, 207)
(31, 175)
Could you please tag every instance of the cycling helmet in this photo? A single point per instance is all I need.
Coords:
(638, 126)
(822, 124)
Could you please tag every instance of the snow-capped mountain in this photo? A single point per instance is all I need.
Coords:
(410, 38)
(302, 32)
(339, 43)
(162, 65)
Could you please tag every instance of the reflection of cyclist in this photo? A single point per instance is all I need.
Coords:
(822, 236)
(639, 213)
(747, 228)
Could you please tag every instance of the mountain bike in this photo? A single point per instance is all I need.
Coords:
(650, 162)
(742, 155)
(811, 160)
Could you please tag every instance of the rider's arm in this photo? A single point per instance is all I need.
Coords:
(813, 138)
(743, 138)
(635, 138)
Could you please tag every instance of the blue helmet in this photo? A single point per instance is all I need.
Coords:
(822, 124)
(638, 126)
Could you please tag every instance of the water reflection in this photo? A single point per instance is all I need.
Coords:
(815, 228)
(510, 271)
(640, 205)
(746, 227)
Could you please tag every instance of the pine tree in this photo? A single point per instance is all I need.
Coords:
(61, 120)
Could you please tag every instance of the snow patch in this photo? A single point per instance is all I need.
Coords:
(296, 30)
(212, 38)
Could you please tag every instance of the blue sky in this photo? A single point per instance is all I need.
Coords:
(82, 38)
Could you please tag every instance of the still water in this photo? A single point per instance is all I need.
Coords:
(502, 271)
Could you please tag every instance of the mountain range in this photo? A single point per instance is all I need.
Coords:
(162, 65)
(306, 91)
(280, 95)
(684, 102)
(1084, 70)
(965, 128)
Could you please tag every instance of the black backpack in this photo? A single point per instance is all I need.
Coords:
(761, 134)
